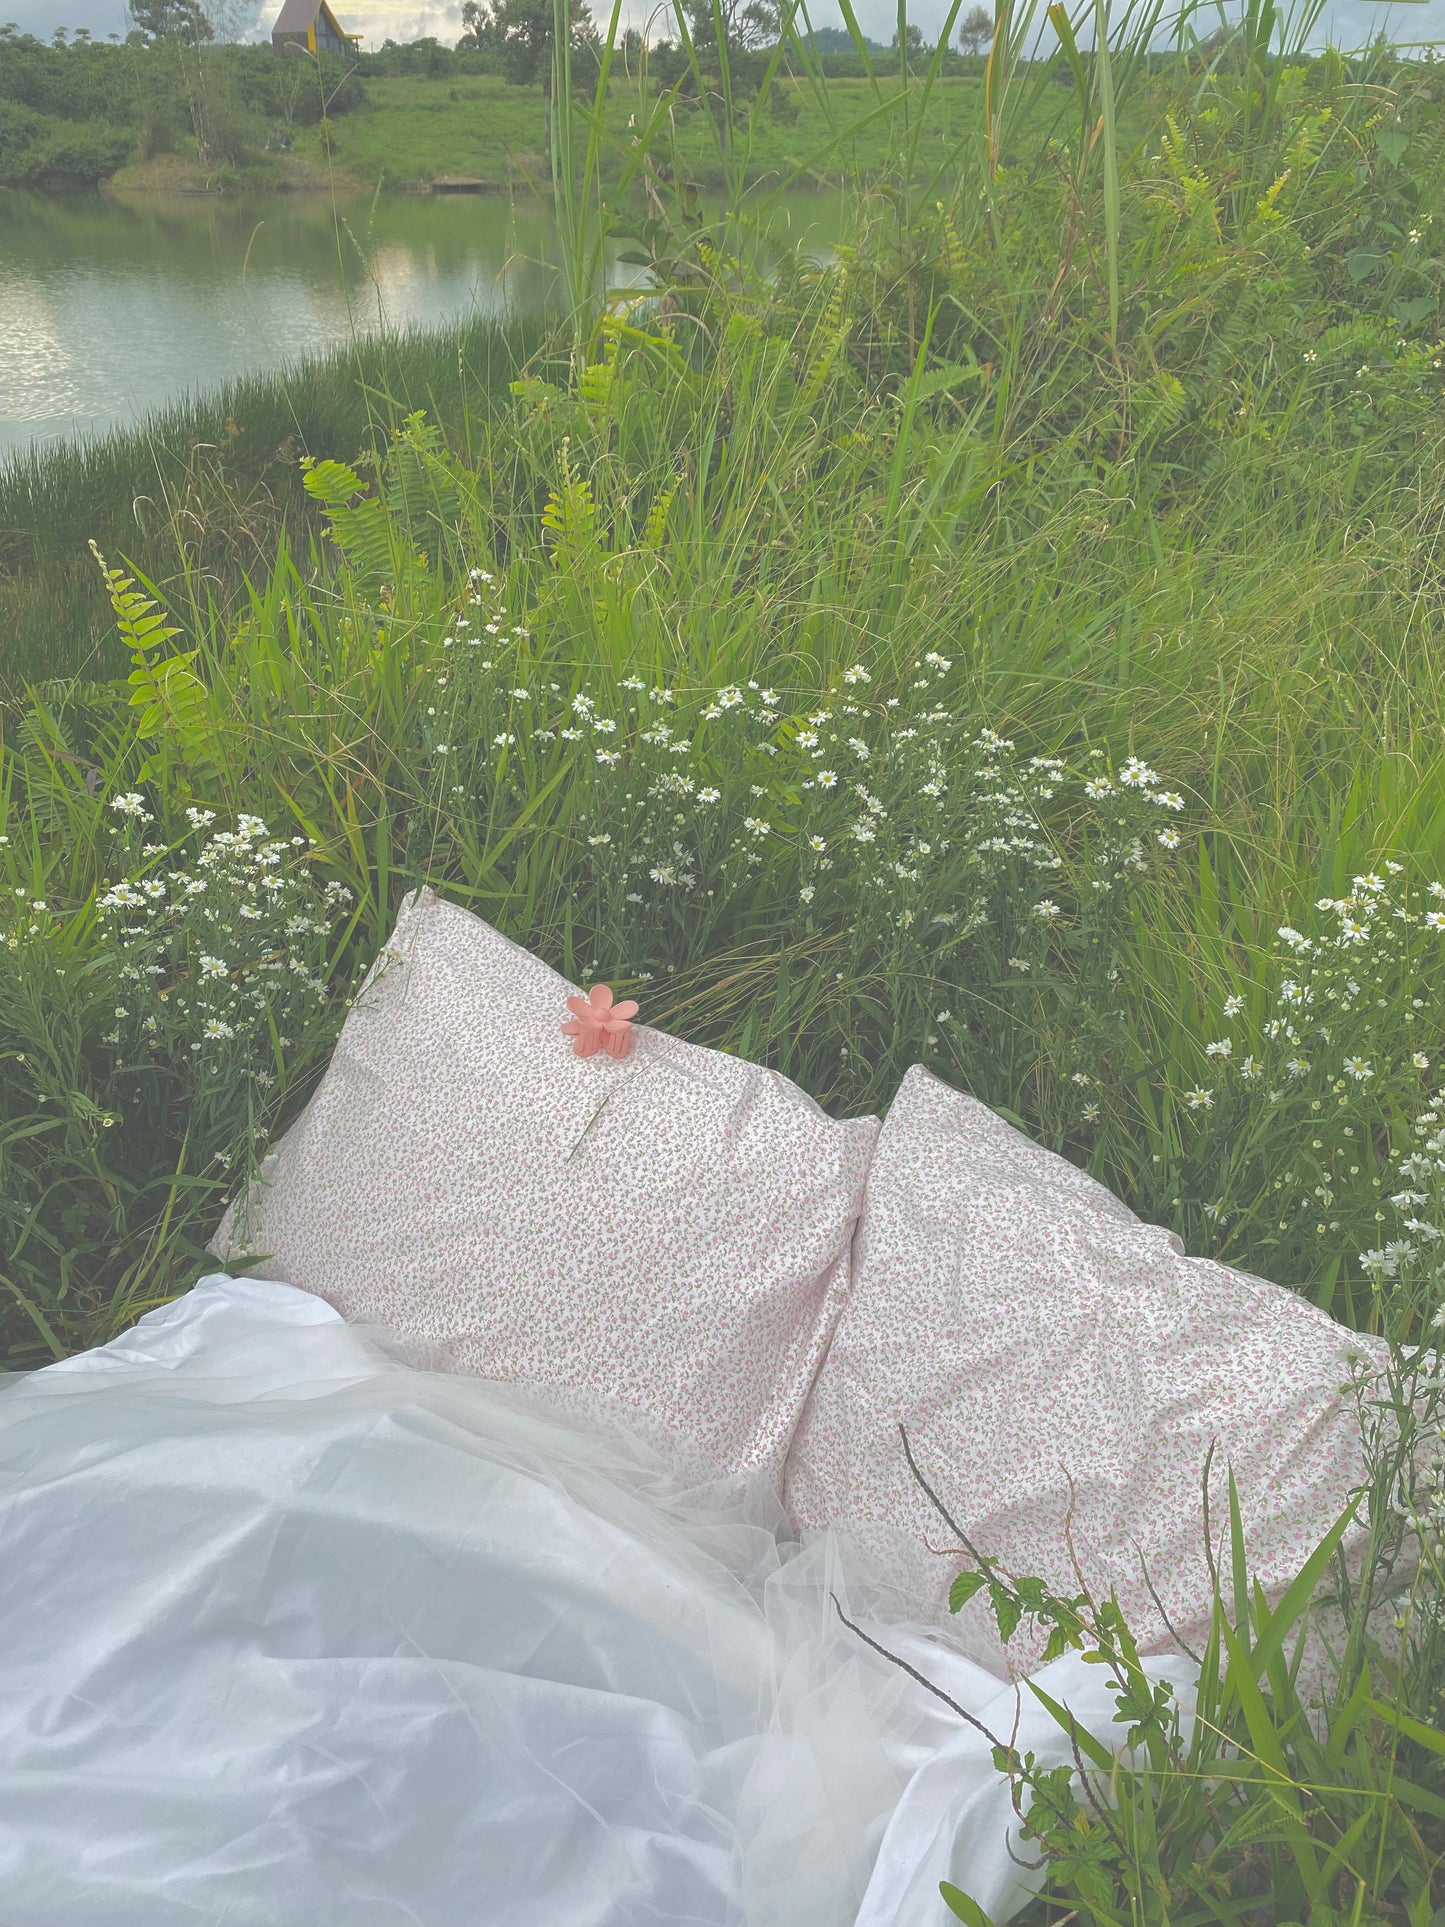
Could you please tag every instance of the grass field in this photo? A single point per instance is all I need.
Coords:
(1017, 644)
(413, 131)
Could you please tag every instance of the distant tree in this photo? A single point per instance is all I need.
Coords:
(975, 30)
(837, 40)
(479, 33)
(746, 25)
(157, 20)
(914, 45)
(524, 31)
(758, 25)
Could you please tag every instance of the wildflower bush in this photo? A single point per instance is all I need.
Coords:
(219, 964)
(1308, 1095)
(169, 1012)
(928, 860)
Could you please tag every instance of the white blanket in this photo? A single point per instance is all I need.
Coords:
(295, 1635)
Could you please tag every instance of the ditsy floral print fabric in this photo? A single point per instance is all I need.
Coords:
(1062, 1372)
(665, 1236)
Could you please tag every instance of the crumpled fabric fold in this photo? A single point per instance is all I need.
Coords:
(295, 1634)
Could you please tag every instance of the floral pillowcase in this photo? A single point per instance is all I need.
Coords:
(1062, 1373)
(545, 1194)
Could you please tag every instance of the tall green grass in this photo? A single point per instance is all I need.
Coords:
(205, 487)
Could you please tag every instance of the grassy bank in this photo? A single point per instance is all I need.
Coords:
(169, 174)
(1016, 645)
(205, 489)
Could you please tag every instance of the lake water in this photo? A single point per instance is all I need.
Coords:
(111, 306)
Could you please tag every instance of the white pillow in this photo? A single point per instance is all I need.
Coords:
(1062, 1372)
(667, 1234)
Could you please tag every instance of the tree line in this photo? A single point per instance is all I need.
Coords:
(75, 108)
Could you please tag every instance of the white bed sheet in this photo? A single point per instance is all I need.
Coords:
(293, 1634)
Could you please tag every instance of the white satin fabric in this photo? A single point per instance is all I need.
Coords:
(294, 1634)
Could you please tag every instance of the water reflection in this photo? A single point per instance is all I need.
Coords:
(110, 306)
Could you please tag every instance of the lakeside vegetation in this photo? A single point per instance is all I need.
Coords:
(1014, 644)
(169, 115)
(207, 487)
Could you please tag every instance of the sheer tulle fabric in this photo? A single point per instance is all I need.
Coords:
(292, 1632)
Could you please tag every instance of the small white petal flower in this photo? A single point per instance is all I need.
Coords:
(1137, 775)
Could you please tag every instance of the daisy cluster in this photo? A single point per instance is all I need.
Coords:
(26, 916)
(890, 816)
(1329, 1055)
(1408, 1270)
(220, 940)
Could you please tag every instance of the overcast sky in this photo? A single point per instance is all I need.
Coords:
(1348, 22)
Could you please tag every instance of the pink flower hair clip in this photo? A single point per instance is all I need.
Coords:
(599, 1024)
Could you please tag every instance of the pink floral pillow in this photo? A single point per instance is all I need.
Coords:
(664, 1233)
(1062, 1372)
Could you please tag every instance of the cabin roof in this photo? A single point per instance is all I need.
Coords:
(296, 16)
